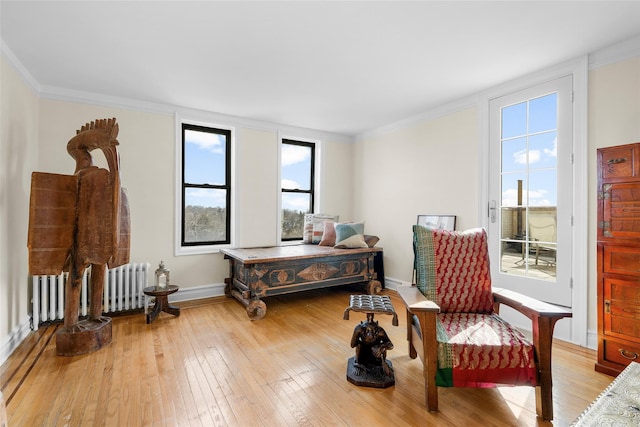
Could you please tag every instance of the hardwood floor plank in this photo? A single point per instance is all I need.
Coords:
(14, 370)
(213, 366)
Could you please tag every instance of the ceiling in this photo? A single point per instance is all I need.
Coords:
(336, 66)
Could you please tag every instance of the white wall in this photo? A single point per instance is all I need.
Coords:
(614, 119)
(18, 158)
(257, 207)
(426, 167)
(147, 167)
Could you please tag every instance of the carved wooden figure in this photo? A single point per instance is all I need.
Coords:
(81, 220)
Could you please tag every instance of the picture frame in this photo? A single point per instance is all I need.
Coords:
(441, 222)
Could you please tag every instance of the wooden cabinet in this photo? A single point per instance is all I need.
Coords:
(618, 257)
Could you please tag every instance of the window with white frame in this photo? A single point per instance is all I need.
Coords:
(206, 186)
(297, 178)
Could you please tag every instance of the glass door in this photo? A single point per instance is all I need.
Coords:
(530, 191)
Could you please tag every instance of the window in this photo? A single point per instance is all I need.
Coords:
(206, 186)
(297, 177)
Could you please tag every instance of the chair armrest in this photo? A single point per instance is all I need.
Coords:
(415, 301)
(543, 318)
(530, 307)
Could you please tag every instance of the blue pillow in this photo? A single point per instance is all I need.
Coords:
(350, 235)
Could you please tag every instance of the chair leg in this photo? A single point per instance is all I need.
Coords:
(412, 351)
(542, 341)
(430, 362)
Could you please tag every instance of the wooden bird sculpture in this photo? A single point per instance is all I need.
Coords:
(77, 221)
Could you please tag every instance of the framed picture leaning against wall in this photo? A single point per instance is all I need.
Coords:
(442, 222)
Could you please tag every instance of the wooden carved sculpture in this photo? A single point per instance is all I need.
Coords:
(81, 220)
(371, 343)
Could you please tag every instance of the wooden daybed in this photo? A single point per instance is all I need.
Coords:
(255, 273)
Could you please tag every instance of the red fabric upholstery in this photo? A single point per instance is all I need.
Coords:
(463, 280)
(482, 350)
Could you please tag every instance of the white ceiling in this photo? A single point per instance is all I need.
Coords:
(337, 66)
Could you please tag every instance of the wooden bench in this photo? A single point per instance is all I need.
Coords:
(255, 273)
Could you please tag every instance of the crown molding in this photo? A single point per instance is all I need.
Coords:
(615, 53)
(17, 65)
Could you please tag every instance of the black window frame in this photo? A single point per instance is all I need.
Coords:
(226, 186)
(310, 191)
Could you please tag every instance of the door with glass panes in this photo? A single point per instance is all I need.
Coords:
(530, 191)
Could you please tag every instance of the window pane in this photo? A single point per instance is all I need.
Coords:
(294, 207)
(514, 120)
(543, 150)
(204, 158)
(543, 114)
(543, 188)
(514, 155)
(205, 215)
(296, 167)
(513, 189)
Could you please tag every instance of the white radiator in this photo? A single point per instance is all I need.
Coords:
(122, 291)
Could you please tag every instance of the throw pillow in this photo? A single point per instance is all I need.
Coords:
(371, 240)
(314, 227)
(452, 269)
(350, 235)
(329, 235)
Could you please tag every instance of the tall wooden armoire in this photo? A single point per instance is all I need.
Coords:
(618, 257)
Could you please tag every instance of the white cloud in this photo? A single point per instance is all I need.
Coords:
(510, 197)
(292, 154)
(290, 184)
(520, 157)
(205, 140)
(536, 197)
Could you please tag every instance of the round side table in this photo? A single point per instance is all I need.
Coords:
(162, 301)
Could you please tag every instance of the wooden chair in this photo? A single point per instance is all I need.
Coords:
(452, 311)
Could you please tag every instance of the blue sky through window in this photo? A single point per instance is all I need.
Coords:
(296, 174)
(529, 151)
(204, 160)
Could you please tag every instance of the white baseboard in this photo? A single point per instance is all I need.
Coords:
(15, 337)
(592, 340)
(198, 292)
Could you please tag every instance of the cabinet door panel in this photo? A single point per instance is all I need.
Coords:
(622, 260)
(621, 210)
(620, 292)
(621, 308)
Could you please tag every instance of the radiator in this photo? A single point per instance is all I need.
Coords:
(122, 291)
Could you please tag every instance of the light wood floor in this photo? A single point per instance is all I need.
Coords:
(213, 366)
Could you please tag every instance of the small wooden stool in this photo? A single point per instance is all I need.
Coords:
(162, 301)
(371, 304)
